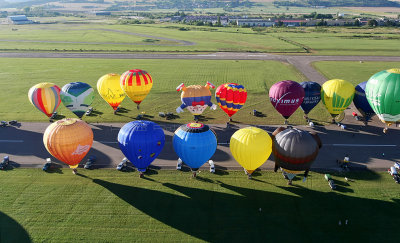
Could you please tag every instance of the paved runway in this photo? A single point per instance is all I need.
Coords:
(368, 147)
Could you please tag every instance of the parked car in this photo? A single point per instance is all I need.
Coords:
(89, 111)
(123, 166)
(13, 122)
(4, 164)
(3, 124)
(47, 165)
(89, 162)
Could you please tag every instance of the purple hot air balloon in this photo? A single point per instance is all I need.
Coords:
(286, 96)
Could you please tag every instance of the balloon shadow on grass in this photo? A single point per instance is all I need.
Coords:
(237, 214)
(11, 230)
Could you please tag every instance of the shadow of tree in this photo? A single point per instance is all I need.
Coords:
(231, 213)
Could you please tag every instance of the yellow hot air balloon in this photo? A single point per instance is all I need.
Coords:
(110, 90)
(137, 84)
(68, 140)
(251, 147)
(337, 95)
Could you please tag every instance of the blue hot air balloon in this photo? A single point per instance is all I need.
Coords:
(361, 102)
(195, 144)
(312, 95)
(141, 142)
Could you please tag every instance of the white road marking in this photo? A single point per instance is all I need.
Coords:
(11, 141)
(360, 145)
(105, 142)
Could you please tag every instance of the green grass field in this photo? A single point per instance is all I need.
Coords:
(354, 72)
(19, 75)
(170, 206)
(117, 38)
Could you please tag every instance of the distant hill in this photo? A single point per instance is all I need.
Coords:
(338, 3)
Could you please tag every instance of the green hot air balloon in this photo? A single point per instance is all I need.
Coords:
(383, 94)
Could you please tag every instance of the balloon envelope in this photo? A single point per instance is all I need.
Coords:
(286, 96)
(231, 97)
(136, 84)
(196, 98)
(337, 95)
(77, 97)
(251, 147)
(195, 144)
(295, 149)
(361, 102)
(110, 89)
(141, 142)
(312, 95)
(383, 94)
(45, 97)
(68, 140)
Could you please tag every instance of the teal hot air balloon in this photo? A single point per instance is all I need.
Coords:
(77, 97)
(383, 94)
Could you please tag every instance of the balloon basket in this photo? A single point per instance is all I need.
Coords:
(249, 176)
(138, 107)
(286, 122)
(141, 175)
(194, 174)
(230, 119)
(74, 171)
(115, 112)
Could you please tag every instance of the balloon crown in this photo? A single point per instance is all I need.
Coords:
(67, 121)
(182, 86)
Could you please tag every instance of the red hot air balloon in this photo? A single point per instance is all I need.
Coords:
(231, 97)
(286, 96)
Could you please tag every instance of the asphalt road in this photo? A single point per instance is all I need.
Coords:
(367, 146)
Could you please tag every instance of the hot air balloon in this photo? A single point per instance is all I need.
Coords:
(231, 97)
(110, 90)
(195, 144)
(312, 96)
(195, 98)
(45, 97)
(361, 102)
(294, 150)
(141, 142)
(77, 97)
(286, 96)
(383, 94)
(136, 83)
(68, 140)
(337, 95)
(251, 147)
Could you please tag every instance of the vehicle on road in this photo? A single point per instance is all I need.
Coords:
(89, 162)
(5, 163)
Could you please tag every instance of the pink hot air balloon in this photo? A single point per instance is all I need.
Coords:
(286, 96)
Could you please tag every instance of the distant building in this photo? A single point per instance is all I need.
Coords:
(204, 18)
(102, 13)
(19, 19)
(292, 22)
(255, 22)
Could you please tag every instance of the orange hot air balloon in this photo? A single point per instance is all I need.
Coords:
(137, 84)
(68, 140)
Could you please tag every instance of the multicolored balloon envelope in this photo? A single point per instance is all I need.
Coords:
(77, 97)
(286, 96)
(68, 140)
(312, 95)
(251, 147)
(195, 98)
(294, 149)
(195, 144)
(136, 83)
(45, 97)
(141, 142)
(383, 94)
(110, 89)
(337, 95)
(231, 97)
(361, 102)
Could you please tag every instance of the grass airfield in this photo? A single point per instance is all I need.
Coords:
(170, 206)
